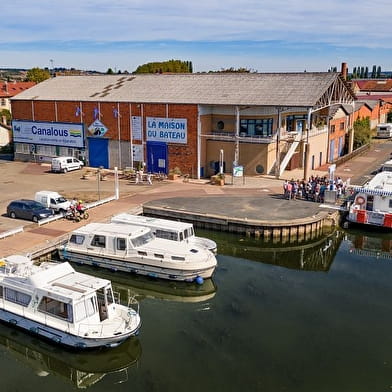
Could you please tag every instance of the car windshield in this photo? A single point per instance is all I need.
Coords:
(60, 199)
(35, 205)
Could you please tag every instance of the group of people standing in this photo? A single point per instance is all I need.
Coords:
(313, 189)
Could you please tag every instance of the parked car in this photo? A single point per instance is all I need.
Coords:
(28, 209)
(54, 200)
(65, 164)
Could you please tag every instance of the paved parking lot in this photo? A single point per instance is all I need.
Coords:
(20, 180)
(23, 180)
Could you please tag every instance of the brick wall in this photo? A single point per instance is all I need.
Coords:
(337, 131)
(183, 156)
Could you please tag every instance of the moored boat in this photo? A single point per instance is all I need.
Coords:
(372, 203)
(135, 249)
(167, 229)
(55, 302)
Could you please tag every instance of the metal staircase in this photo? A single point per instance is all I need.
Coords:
(290, 153)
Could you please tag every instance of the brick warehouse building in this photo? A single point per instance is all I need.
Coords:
(258, 122)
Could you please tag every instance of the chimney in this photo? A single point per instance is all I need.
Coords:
(344, 71)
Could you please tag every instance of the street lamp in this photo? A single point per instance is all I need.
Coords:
(221, 160)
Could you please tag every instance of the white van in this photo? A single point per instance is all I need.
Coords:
(384, 131)
(64, 164)
(53, 200)
(386, 166)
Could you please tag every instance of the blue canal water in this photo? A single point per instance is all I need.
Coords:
(275, 317)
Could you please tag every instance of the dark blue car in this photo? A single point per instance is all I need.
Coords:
(28, 209)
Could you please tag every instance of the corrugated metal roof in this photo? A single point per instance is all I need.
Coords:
(291, 89)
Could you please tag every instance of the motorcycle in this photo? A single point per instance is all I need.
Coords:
(76, 214)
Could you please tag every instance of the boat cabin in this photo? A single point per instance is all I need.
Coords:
(372, 203)
(58, 291)
(167, 229)
(110, 238)
(161, 228)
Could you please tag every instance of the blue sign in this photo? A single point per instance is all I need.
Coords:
(238, 171)
(51, 133)
(169, 130)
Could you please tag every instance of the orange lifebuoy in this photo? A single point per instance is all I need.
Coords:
(360, 200)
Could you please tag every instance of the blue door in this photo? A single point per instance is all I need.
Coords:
(331, 150)
(340, 146)
(157, 157)
(98, 152)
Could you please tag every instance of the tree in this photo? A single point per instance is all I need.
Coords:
(109, 71)
(233, 70)
(7, 114)
(362, 132)
(366, 72)
(37, 75)
(374, 72)
(171, 66)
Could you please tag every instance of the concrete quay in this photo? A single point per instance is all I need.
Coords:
(269, 218)
(254, 206)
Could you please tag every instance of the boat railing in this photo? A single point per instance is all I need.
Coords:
(133, 303)
(100, 330)
(117, 297)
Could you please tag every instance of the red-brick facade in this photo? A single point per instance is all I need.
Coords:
(183, 156)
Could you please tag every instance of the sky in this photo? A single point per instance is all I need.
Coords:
(261, 35)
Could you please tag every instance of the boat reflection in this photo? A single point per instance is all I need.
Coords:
(136, 286)
(317, 255)
(372, 244)
(81, 368)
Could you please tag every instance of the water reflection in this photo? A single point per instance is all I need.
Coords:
(82, 369)
(317, 255)
(141, 287)
(371, 244)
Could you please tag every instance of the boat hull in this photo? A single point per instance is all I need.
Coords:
(60, 337)
(131, 266)
(370, 218)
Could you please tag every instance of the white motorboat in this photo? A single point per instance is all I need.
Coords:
(54, 301)
(167, 229)
(135, 249)
(372, 203)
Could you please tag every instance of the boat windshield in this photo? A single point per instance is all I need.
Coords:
(188, 232)
(142, 239)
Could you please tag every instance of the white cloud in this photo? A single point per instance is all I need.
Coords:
(344, 22)
(266, 35)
